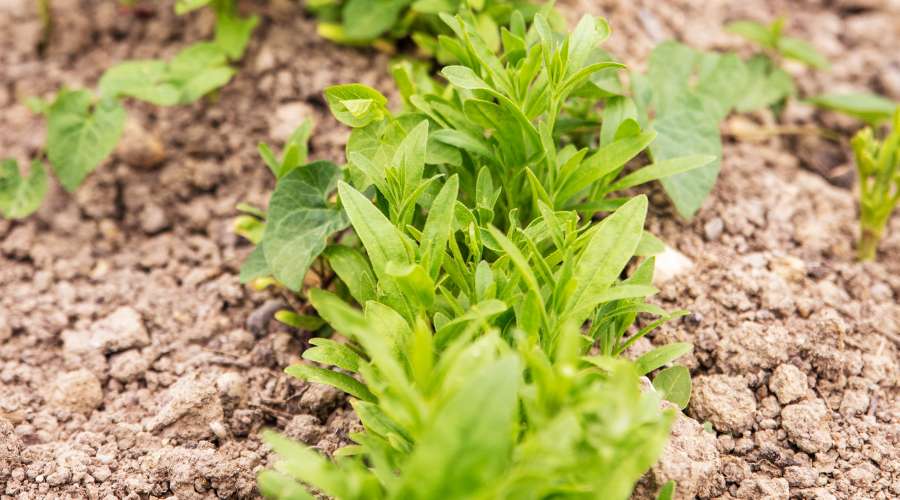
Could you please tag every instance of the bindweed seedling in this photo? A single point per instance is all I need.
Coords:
(772, 40)
(687, 93)
(84, 127)
(878, 167)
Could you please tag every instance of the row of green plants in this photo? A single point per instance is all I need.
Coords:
(478, 253)
(482, 312)
(686, 103)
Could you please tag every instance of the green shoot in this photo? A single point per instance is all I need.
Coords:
(878, 167)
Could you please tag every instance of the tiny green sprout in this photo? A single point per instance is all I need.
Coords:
(878, 167)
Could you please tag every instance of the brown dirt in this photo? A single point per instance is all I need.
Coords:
(128, 368)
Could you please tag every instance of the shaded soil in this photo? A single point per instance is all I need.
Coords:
(128, 367)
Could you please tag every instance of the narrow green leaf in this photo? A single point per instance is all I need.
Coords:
(464, 78)
(478, 417)
(329, 352)
(661, 356)
(383, 241)
(661, 170)
(870, 108)
(438, 226)
(607, 252)
(335, 379)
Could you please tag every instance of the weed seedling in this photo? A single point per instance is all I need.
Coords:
(878, 167)
(84, 127)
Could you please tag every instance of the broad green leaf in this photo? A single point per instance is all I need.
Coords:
(300, 221)
(721, 84)
(194, 59)
(354, 270)
(355, 105)
(870, 108)
(21, 196)
(335, 379)
(661, 356)
(369, 19)
(383, 242)
(143, 80)
(688, 130)
(675, 385)
(463, 77)
(669, 72)
(233, 31)
(81, 134)
(478, 417)
(198, 70)
(254, 266)
(766, 85)
(204, 82)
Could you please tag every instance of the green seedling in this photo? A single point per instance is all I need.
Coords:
(687, 93)
(768, 85)
(772, 40)
(878, 167)
(84, 127)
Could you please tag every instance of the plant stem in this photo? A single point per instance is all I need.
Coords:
(868, 244)
(46, 16)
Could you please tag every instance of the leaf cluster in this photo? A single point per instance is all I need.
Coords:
(500, 124)
(84, 127)
(484, 315)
